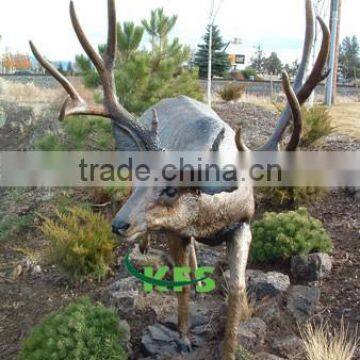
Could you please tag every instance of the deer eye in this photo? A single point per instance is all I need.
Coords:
(170, 192)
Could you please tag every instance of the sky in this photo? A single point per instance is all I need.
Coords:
(278, 25)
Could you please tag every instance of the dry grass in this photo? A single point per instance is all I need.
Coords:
(323, 343)
(346, 118)
(30, 93)
(247, 307)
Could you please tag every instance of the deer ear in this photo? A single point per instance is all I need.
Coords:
(123, 141)
(218, 140)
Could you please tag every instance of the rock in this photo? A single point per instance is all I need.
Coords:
(266, 356)
(123, 294)
(18, 270)
(251, 333)
(261, 285)
(302, 302)
(208, 257)
(289, 346)
(313, 267)
(126, 335)
(161, 340)
(269, 311)
(36, 270)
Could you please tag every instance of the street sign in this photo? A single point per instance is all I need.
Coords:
(237, 59)
(240, 59)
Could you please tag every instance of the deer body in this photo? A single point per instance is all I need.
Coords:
(210, 215)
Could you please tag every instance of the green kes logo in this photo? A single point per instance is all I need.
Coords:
(180, 274)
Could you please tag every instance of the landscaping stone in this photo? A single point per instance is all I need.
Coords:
(312, 267)
(266, 356)
(123, 294)
(162, 339)
(126, 335)
(270, 312)
(271, 284)
(289, 346)
(251, 333)
(302, 302)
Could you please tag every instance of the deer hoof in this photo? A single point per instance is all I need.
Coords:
(184, 345)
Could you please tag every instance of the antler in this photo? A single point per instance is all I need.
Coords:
(111, 108)
(74, 104)
(302, 90)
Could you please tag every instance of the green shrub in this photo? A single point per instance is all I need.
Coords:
(317, 124)
(232, 91)
(12, 225)
(49, 142)
(249, 73)
(81, 243)
(289, 197)
(89, 133)
(236, 75)
(278, 236)
(81, 133)
(81, 331)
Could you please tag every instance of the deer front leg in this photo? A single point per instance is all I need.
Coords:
(192, 257)
(238, 250)
(179, 251)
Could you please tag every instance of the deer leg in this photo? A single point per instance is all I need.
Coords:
(179, 251)
(238, 250)
(192, 257)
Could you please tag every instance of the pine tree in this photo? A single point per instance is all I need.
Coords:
(158, 27)
(129, 38)
(69, 68)
(142, 77)
(61, 68)
(349, 59)
(258, 60)
(220, 61)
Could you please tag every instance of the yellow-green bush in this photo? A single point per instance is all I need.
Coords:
(232, 91)
(79, 331)
(81, 243)
(317, 124)
(289, 197)
(279, 236)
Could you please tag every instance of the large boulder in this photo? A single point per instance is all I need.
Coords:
(270, 311)
(302, 302)
(312, 267)
(262, 285)
(251, 333)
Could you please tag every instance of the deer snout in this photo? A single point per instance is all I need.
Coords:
(120, 227)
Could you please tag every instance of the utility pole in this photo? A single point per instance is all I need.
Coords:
(212, 18)
(332, 79)
(336, 65)
(321, 9)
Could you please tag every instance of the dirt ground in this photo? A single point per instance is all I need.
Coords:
(28, 298)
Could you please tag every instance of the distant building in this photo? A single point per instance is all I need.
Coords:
(12, 63)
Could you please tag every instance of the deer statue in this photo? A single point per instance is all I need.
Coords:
(210, 215)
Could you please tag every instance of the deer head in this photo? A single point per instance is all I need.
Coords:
(186, 212)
